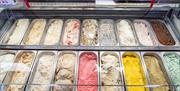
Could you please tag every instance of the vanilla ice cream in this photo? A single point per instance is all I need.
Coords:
(36, 32)
(18, 32)
(54, 32)
(43, 73)
(125, 34)
(143, 33)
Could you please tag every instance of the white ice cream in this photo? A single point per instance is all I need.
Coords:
(6, 62)
(107, 33)
(54, 32)
(43, 72)
(19, 31)
(125, 32)
(143, 33)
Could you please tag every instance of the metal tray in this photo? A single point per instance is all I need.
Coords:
(75, 70)
(5, 28)
(10, 32)
(136, 13)
(63, 33)
(150, 31)
(30, 29)
(4, 53)
(40, 54)
(80, 53)
(111, 22)
(133, 32)
(49, 24)
(21, 86)
(175, 22)
(157, 55)
(116, 86)
(97, 32)
(144, 71)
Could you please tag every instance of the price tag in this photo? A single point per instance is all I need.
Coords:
(7, 2)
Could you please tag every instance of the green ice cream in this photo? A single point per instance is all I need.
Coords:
(172, 63)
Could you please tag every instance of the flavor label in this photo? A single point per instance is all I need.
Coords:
(4, 3)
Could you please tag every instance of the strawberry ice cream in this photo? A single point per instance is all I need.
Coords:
(88, 73)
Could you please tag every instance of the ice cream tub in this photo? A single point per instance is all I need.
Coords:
(108, 81)
(171, 63)
(71, 33)
(34, 34)
(43, 71)
(66, 70)
(149, 39)
(107, 36)
(160, 80)
(6, 55)
(137, 78)
(127, 37)
(19, 74)
(16, 32)
(5, 28)
(164, 33)
(89, 33)
(88, 71)
(53, 32)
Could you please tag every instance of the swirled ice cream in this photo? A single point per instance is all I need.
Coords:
(89, 34)
(71, 32)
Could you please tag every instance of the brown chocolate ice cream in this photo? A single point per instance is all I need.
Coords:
(162, 33)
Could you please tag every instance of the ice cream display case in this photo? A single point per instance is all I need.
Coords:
(89, 48)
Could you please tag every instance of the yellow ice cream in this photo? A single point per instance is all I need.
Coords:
(134, 74)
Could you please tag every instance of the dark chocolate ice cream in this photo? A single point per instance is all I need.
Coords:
(162, 33)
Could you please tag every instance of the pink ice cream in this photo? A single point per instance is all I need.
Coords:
(88, 73)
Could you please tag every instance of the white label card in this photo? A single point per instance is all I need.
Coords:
(7, 2)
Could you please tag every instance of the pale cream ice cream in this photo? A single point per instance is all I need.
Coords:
(143, 33)
(53, 32)
(43, 74)
(71, 32)
(65, 71)
(15, 88)
(6, 62)
(125, 34)
(110, 72)
(36, 32)
(107, 33)
(18, 32)
(22, 71)
(155, 72)
(89, 34)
